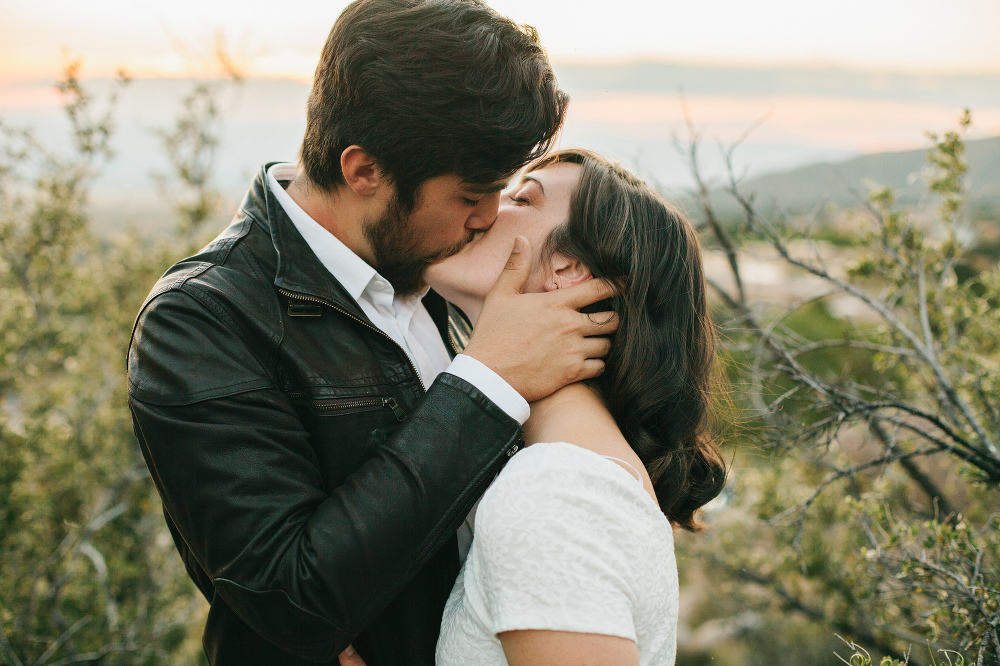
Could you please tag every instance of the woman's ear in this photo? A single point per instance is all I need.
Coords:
(566, 272)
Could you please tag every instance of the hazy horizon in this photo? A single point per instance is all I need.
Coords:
(630, 111)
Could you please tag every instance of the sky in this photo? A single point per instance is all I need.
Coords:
(935, 39)
(157, 38)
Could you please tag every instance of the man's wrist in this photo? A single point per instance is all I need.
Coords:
(491, 385)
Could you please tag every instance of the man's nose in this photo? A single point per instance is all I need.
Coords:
(485, 213)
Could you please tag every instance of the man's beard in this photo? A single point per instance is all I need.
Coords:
(394, 245)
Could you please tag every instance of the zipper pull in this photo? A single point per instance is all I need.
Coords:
(304, 309)
(396, 409)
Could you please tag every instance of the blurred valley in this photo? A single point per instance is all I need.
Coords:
(821, 132)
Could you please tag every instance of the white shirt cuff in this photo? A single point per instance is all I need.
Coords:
(491, 385)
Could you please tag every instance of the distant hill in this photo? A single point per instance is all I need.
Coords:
(800, 190)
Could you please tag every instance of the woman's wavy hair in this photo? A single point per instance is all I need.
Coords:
(660, 372)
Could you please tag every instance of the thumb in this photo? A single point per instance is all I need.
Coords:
(515, 273)
(350, 657)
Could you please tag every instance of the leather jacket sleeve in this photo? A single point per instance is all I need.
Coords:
(305, 568)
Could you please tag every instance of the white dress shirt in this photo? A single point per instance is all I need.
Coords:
(404, 319)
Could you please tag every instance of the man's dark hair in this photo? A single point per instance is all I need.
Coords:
(428, 88)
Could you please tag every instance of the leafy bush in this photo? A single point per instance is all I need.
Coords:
(866, 500)
(90, 573)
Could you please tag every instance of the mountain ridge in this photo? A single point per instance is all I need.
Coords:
(800, 189)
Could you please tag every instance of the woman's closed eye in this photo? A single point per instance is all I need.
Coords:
(528, 192)
(521, 197)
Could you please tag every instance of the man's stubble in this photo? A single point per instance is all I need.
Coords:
(396, 248)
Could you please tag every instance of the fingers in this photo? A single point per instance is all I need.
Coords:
(596, 347)
(518, 267)
(598, 323)
(351, 658)
(585, 293)
(592, 367)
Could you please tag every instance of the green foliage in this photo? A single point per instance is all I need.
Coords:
(89, 571)
(865, 501)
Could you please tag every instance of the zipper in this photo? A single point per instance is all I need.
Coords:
(304, 297)
(336, 405)
(400, 414)
(451, 339)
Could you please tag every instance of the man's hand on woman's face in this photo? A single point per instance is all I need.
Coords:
(539, 343)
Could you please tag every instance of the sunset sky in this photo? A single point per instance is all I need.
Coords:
(150, 38)
(934, 40)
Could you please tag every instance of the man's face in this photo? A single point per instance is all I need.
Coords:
(445, 217)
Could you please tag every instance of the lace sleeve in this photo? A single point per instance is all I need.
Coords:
(552, 544)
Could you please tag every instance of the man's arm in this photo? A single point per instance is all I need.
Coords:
(306, 569)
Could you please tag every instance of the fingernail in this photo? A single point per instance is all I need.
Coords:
(518, 245)
(349, 651)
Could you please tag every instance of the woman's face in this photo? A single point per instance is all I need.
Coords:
(534, 206)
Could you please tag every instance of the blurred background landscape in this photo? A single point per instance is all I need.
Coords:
(631, 110)
(842, 204)
(826, 83)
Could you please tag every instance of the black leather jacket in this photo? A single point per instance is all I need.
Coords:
(312, 486)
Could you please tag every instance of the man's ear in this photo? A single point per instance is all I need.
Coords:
(566, 272)
(360, 171)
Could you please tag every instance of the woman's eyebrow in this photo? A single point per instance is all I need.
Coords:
(535, 180)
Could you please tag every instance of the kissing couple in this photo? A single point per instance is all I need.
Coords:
(438, 394)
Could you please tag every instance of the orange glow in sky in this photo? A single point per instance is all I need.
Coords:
(272, 39)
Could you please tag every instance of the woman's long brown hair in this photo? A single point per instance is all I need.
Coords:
(658, 377)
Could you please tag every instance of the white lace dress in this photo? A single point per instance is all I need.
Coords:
(564, 540)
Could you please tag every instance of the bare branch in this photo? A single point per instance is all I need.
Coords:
(59, 642)
(854, 344)
(705, 200)
(860, 631)
(927, 354)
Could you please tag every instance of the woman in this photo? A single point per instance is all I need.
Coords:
(572, 560)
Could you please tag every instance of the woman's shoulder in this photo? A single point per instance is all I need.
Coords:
(559, 481)
(561, 464)
(567, 540)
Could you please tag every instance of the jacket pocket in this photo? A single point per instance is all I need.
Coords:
(346, 431)
(345, 406)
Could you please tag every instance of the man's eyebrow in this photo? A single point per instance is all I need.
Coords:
(485, 188)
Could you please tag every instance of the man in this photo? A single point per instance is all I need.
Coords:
(314, 443)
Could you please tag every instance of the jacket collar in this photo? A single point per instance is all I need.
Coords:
(298, 270)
